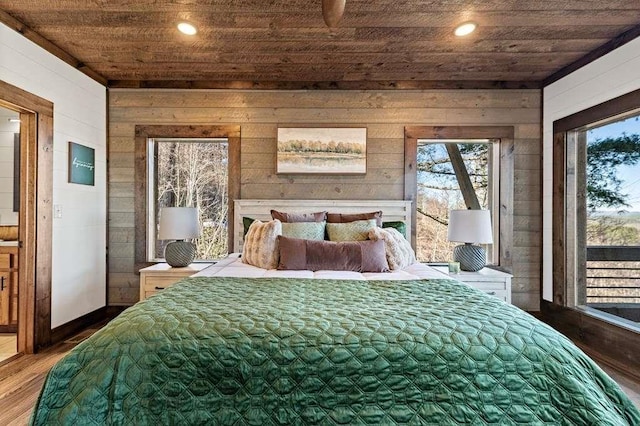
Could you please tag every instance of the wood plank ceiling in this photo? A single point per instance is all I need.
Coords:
(286, 44)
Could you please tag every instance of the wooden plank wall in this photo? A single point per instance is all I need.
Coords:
(384, 113)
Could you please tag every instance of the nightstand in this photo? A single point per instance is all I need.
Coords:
(495, 283)
(160, 276)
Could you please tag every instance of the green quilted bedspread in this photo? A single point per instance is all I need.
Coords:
(290, 351)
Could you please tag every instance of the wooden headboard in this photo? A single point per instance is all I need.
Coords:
(392, 210)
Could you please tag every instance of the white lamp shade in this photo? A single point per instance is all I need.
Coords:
(178, 223)
(470, 226)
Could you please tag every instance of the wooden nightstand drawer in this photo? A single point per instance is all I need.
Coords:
(158, 277)
(152, 283)
(500, 294)
(495, 283)
(486, 285)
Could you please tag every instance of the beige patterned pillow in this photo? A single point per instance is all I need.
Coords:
(399, 251)
(304, 230)
(350, 231)
(261, 244)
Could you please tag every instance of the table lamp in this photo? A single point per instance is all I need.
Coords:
(470, 227)
(179, 223)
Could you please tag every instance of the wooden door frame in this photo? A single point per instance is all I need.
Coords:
(35, 217)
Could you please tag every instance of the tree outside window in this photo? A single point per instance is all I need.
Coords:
(192, 173)
(439, 192)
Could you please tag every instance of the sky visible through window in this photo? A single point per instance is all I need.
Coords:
(630, 175)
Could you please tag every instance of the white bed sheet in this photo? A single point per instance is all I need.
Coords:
(232, 266)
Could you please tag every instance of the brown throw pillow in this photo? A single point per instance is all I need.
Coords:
(352, 217)
(299, 217)
(358, 256)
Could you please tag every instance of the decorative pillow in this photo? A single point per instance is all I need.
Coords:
(359, 256)
(398, 249)
(399, 226)
(261, 244)
(342, 218)
(299, 217)
(350, 231)
(246, 223)
(304, 230)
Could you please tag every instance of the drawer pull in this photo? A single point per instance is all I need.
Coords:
(159, 288)
(1, 283)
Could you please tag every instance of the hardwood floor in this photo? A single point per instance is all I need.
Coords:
(22, 379)
(8, 346)
(628, 385)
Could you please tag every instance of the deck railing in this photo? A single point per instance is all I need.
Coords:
(613, 275)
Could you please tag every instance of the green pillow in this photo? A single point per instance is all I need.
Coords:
(303, 230)
(350, 231)
(399, 226)
(246, 223)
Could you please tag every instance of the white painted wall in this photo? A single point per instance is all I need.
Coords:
(79, 237)
(7, 132)
(608, 77)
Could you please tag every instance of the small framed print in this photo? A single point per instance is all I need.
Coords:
(82, 164)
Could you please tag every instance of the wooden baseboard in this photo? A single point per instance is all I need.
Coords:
(67, 330)
(9, 328)
(10, 359)
(613, 345)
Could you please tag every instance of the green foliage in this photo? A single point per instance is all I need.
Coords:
(609, 230)
(603, 158)
(439, 191)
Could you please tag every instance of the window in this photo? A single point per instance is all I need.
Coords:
(497, 143)
(603, 216)
(439, 191)
(190, 173)
(197, 166)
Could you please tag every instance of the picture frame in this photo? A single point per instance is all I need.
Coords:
(321, 150)
(81, 164)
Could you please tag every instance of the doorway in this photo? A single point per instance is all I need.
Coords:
(35, 192)
(9, 226)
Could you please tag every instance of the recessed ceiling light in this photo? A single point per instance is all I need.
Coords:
(465, 29)
(186, 28)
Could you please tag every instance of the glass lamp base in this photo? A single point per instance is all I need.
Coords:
(179, 254)
(472, 258)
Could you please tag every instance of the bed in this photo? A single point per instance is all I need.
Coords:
(239, 344)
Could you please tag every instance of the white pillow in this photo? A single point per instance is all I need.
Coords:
(261, 244)
(399, 251)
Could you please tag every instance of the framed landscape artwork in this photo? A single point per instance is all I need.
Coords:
(326, 150)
